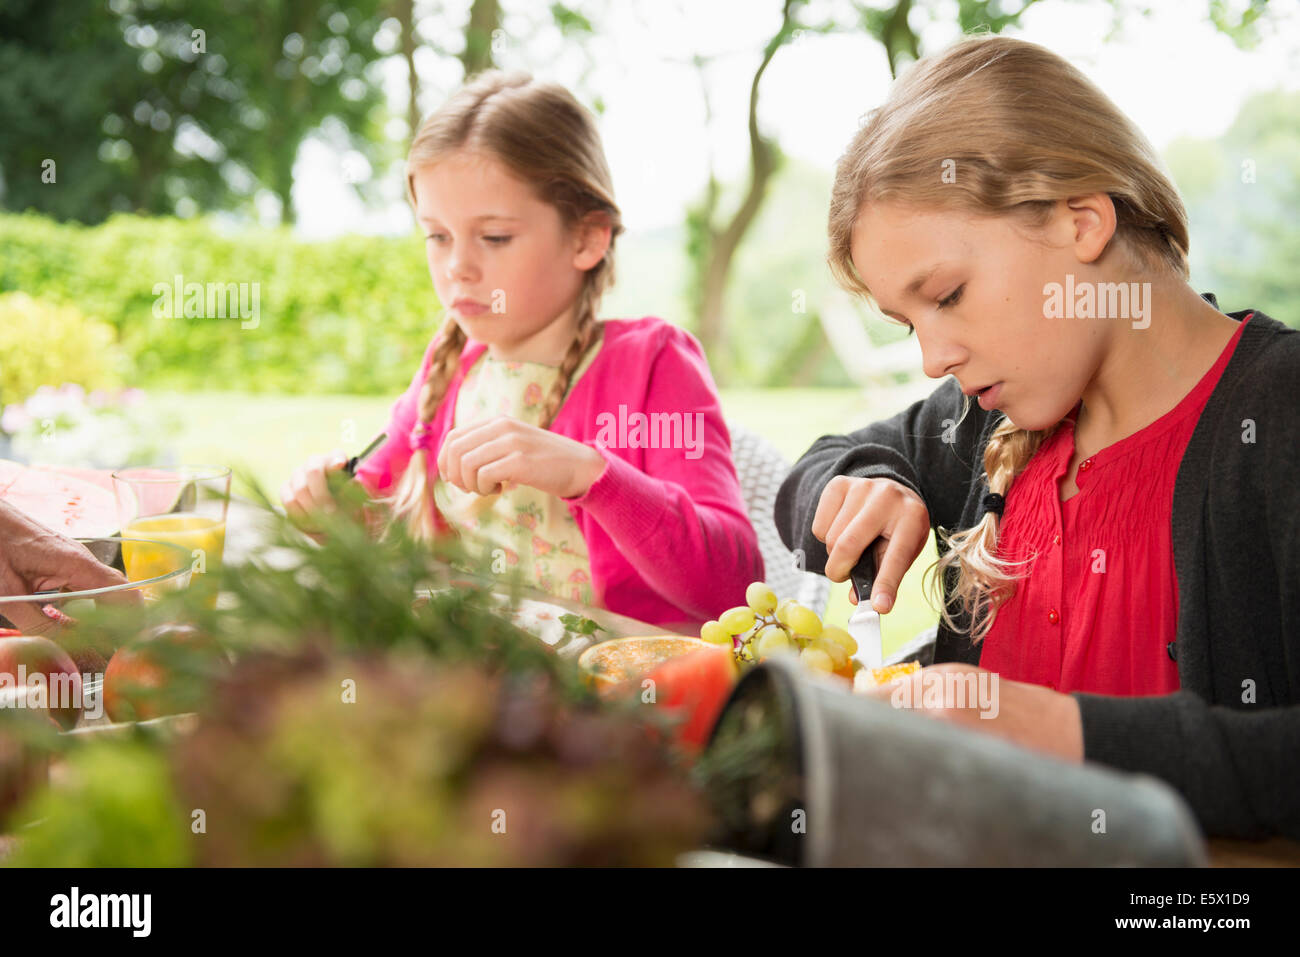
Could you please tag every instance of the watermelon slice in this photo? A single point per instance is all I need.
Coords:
(65, 504)
(101, 477)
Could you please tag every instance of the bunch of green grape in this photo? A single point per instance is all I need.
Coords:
(763, 627)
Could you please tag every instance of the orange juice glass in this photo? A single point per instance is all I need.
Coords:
(186, 506)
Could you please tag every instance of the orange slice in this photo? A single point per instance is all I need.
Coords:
(874, 677)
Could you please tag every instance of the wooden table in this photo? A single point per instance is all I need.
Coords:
(613, 624)
(1271, 852)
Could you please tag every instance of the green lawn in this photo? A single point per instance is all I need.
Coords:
(269, 435)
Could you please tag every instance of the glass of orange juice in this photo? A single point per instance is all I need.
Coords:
(184, 505)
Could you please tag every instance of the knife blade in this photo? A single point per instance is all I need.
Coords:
(864, 623)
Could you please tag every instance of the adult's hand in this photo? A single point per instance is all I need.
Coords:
(33, 558)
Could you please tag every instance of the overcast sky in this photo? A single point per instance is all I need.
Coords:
(1172, 72)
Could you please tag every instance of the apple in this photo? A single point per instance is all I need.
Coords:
(165, 671)
(25, 728)
(40, 656)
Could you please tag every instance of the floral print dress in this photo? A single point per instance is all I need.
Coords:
(520, 529)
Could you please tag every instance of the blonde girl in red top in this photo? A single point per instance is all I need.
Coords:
(1020, 199)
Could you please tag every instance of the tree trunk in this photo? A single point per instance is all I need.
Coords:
(722, 243)
(484, 20)
(282, 186)
(286, 98)
(804, 358)
(405, 11)
(898, 37)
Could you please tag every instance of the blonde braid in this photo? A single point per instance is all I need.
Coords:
(411, 502)
(583, 338)
(984, 579)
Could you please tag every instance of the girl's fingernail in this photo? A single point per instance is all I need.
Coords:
(882, 603)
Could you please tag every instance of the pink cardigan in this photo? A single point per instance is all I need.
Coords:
(667, 535)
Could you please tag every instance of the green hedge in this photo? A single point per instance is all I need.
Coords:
(347, 315)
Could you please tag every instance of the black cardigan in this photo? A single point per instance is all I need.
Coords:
(1236, 541)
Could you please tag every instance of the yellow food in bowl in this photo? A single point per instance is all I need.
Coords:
(610, 663)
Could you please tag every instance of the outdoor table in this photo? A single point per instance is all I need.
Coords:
(1223, 852)
(1271, 852)
(244, 534)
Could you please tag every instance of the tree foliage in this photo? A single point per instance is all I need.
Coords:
(154, 105)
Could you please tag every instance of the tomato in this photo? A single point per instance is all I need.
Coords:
(692, 689)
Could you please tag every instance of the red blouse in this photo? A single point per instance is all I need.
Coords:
(1099, 612)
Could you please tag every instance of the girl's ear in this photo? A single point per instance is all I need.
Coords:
(1089, 223)
(593, 236)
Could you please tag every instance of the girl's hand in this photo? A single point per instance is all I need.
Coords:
(1026, 714)
(486, 457)
(308, 490)
(853, 513)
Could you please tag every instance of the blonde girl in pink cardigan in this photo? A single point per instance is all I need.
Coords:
(590, 456)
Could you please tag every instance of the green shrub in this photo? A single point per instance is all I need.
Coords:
(347, 315)
(46, 344)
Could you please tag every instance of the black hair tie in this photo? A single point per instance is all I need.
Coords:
(993, 502)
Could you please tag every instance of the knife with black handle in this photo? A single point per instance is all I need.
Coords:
(864, 623)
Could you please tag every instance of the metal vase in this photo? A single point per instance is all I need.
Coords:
(867, 784)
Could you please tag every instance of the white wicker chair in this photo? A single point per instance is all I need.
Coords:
(761, 469)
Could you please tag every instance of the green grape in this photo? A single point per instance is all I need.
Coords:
(737, 620)
(815, 659)
(714, 632)
(799, 619)
(841, 638)
(839, 657)
(771, 641)
(761, 598)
